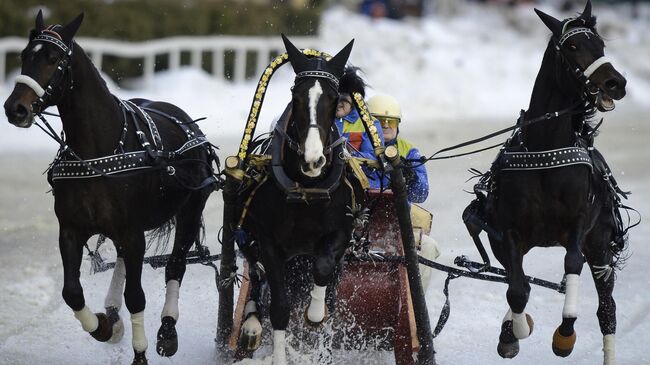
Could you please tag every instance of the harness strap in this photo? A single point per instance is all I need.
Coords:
(142, 137)
(247, 204)
(595, 65)
(542, 160)
(446, 308)
(293, 145)
(353, 196)
(331, 147)
(24, 79)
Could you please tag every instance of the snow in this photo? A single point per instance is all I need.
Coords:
(457, 78)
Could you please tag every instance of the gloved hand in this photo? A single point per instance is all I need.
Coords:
(408, 172)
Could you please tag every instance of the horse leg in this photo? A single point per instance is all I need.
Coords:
(517, 324)
(564, 337)
(188, 224)
(134, 247)
(71, 246)
(113, 301)
(599, 262)
(323, 272)
(250, 338)
(279, 303)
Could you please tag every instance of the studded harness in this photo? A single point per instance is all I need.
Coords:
(68, 165)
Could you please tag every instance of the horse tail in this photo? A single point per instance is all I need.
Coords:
(159, 237)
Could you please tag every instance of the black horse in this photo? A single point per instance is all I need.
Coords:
(550, 187)
(124, 167)
(301, 206)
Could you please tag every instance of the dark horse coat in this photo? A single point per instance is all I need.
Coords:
(161, 178)
(549, 187)
(294, 211)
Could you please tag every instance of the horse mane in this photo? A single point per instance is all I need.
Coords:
(352, 82)
(77, 49)
(591, 23)
(588, 23)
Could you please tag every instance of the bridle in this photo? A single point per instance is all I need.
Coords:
(63, 68)
(331, 81)
(591, 91)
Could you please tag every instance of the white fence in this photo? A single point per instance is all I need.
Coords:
(262, 48)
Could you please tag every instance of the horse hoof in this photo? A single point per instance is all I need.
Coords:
(508, 350)
(563, 345)
(250, 338)
(139, 358)
(248, 342)
(167, 339)
(317, 324)
(116, 322)
(508, 346)
(104, 330)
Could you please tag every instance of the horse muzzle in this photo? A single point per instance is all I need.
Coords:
(312, 169)
(611, 86)
(18, 113)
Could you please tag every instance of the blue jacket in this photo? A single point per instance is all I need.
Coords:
(359, 145)
(417, 183)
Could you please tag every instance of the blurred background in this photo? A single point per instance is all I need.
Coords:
(460, 69)
(444, 59)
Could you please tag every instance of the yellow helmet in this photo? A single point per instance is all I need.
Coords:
(384, 106)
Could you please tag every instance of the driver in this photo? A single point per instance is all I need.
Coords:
(349, 123)
(389, 113)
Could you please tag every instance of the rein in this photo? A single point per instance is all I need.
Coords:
(571, 110)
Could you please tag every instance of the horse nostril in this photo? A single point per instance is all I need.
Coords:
(304, 165)
(20, 112)
(320, 162)
(611, 84)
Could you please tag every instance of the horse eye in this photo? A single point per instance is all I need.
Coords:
(573, 47)
(52, 59)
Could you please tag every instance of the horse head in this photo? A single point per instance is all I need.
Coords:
(45, 71)
(314, 98)
(577, 41)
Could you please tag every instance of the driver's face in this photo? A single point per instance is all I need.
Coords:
(344, 106)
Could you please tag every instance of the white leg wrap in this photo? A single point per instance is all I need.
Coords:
(139, 340)
(508, 316)
(571, 297)
(116, 289)
(430, 250)
(87, 318)
(316, 309)
(520, 326)
(250, 307)
(279, 348)
(171, 300)
(609, 350)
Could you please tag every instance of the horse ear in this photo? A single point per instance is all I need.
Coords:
(337, 63)
(39, 21)
(586, 14)
(71, 29)
(553, 24)
(296, 57)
